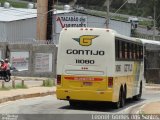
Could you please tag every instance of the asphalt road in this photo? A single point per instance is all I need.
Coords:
(50, 105)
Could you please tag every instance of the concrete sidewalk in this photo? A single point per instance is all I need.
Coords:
(151, 108)
(15, 94)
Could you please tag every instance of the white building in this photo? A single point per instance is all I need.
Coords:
(77, 19)
(17, 24)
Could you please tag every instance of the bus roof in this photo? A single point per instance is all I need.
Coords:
(145, 41)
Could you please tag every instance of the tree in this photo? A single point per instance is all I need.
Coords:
(158, 13)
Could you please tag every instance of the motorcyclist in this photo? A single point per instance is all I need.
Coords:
(8, 66)
(3, 68)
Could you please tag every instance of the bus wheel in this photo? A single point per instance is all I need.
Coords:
(138, 97)
(121, 100)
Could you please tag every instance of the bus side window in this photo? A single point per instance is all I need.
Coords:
(123, 49)
(120, 51)
(141, 52)
(135, 56)
(117, 49)
(128, 51)
(133, 51)
(137, 53)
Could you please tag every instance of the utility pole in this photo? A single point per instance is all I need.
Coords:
(107, 16)
(50, 19)
(154, 21)
(44, 19)
(108, 4)
(42, 9)
(57, 2)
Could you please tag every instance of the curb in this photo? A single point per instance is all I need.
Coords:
(153, 88)
(17, 97)
(140, 111)
(142, 108)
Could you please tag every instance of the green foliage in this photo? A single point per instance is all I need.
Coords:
(48, 83)
(146, 23)
(5, 88)
(15, 4)
(2, 1)
(142, 8)
(17, 86)
(30, 0)
(120, 18)
(18, 4)
(116, 3)
(20, 86)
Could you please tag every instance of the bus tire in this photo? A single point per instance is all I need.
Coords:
(138, 97)
(121, 100)
(125, 93)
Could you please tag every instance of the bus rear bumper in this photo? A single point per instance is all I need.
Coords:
(85, 95)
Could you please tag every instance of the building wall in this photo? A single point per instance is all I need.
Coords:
(152, 64)
(92, 21)
(22, 30)
(31, 59)
(2, 31)
(123, 28)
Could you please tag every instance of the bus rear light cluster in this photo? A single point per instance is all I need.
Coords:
(58, 79)
(110, 82)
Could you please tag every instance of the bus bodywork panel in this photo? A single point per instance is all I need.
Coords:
(85, 48)
(87, 67)
(83, 88)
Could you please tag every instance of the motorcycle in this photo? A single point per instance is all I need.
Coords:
(5, 75)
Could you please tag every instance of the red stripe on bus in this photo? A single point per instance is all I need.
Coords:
(83, 78)
(69, 78)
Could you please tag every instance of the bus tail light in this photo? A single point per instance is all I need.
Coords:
(58, 79)
(110, 82)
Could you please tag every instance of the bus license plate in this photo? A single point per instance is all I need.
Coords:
(87, 83)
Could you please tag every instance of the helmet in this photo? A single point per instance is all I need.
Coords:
(1, 60)
(6, 60)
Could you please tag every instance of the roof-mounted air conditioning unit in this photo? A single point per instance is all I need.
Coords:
(7, 5)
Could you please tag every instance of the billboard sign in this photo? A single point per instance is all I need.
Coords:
(20, 60)
(43, 62)
(70, 21)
